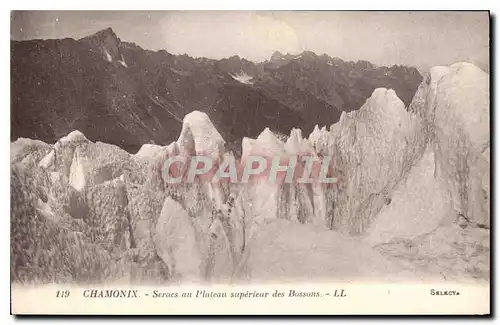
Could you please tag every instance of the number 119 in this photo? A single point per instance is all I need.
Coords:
(62, 294)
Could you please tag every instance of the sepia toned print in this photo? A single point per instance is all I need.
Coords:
(250, 156)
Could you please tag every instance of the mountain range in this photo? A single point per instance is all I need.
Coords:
(119, 93)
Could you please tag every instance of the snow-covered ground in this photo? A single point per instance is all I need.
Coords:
(287, 251)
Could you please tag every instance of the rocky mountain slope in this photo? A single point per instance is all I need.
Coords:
(116, 92)
(412, 202)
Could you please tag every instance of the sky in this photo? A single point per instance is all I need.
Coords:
(420, 39)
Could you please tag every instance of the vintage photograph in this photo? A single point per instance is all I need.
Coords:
(249, 147)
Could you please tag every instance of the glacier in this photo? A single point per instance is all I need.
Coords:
(412, 202)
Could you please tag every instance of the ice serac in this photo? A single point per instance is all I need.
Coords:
(269, 143)
(373, 149)
(196, 218)
(440, 211)
(198, 130)
(92, 197)
(148, 151)
(417, 206)
(454, 103)
(176, 242)
(101, 203)
(199, 137)
(43, 250)
(277, 197)
(320, 138)
(85, 163)
(296, 144)
(322, 200)
(462, 139)
(28, 152)
(262, 192)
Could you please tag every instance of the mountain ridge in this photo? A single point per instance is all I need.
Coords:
(119, 93)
